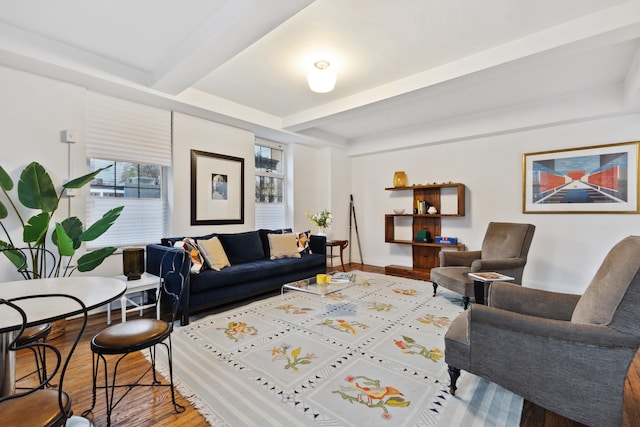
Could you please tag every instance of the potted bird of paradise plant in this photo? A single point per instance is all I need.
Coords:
(42, 242)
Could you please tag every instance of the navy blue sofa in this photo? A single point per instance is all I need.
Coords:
(252, 272)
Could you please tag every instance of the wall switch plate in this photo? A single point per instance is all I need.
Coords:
(69, 136)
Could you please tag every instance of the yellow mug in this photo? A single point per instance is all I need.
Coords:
(322, 279)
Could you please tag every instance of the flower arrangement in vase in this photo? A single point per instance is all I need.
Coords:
(322, 219)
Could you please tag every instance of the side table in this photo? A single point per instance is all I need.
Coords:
(145, 283)
(481, 279)
(341, 244)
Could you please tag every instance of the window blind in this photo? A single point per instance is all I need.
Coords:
(125, 131)
(271, 216)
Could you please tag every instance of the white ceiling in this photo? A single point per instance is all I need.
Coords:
(401, 64)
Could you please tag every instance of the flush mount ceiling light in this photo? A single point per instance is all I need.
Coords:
(322, 79)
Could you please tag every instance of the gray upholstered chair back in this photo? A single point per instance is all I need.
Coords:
(613, 296)
(507, 240)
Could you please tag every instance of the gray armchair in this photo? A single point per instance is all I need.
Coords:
(567, 353)
(504, 250)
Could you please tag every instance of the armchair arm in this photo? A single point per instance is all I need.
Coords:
(458, 258)
(318, 244)
(579, 334)
(158, 264)
(497, 264)
(532, 302)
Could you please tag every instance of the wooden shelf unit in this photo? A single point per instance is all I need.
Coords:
(425, 255)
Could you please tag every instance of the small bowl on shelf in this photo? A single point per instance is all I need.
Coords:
(398, 211)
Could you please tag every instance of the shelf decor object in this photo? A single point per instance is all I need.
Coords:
(399, 179)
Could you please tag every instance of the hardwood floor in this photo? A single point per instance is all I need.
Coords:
(152, 406)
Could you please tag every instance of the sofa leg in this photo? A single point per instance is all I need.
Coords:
(184, 320)
(465, 302)
(454, 374)
(435, 288)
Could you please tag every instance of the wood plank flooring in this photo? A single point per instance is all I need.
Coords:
(146, 407)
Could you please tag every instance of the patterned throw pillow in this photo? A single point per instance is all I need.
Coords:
(302, 240)
(189, 245)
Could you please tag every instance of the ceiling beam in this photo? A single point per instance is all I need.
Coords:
(632, 82)
(236, 26)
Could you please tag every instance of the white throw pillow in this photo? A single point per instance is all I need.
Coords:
(283, 246)
(213, 253)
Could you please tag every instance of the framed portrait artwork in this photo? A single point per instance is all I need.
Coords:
(597, 179)
(217, 189)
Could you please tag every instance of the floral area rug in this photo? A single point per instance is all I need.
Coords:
(374, 357)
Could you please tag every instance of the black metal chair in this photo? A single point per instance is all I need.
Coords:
(134, 335)
(37, 333)
(40, 406)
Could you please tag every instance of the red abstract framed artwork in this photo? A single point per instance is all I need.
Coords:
(597, 179)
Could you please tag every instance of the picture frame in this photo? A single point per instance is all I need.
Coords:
(217, 189)
(595, 179)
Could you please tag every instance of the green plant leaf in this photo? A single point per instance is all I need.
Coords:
(63, 241)
(36, 190)
(73, 227)
(100, 226)
(36, 228)
(6, 183)
(84, 179)
(16, 257)
(91, 260)
(3, 211)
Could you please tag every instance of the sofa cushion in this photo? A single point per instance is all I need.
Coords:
(213, 253)
(242, 247)
(238, 275)
(283, 246)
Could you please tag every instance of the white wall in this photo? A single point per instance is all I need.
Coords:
(311, 187)
(566, 248)
(33, 111)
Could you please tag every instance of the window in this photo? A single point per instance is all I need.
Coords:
(125, 179)
(140, 188)
(136, 141)
(270, 185)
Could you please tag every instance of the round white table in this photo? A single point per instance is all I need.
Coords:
(92, 291)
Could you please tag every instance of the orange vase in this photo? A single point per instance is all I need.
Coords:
(399, 179)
